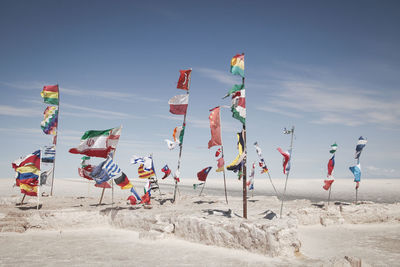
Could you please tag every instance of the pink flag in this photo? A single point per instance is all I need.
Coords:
(286, 158)
(178, 104)
(220, 164)
(215, 126)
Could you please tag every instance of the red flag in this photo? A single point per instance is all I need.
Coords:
(215, 126)
(184, 79)
(220, 164)
(178, 104)
(328, 184)
(145, 198)
(132, 200)
(202, 175)
(103, 185)
(286, 157)
(331, 165)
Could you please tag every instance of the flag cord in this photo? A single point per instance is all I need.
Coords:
(55, 143)
(287, 174)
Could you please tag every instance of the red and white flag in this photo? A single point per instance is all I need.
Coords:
(184, 79)
(215, 126)
(178, 104)
(286, 158)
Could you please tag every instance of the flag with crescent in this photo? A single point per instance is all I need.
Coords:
(184, 79)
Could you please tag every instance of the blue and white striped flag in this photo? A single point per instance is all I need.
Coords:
(360, 145)
(105, 171)
(146, 161)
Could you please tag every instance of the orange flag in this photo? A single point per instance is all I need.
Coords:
(215, 126)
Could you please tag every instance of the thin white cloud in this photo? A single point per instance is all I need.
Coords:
(91, 112)
(19, 112)
(220, 76)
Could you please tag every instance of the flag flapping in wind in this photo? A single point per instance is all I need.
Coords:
(237, 65)
(28, 171)
(237, 163)
(215, 127)
(146, 161)
(50, 120)
(48, 154)
(331, 165)
(238, 106)
(184, 79)
(327, 184)
(333, 148)
(178, 134)
(178, 104)
(107, 170)
(250, 182)
(98, 143)
(360, 146)
(286, 159)
(145, 174)
(356, 170)
(261, 163)
(166, 171)
(220, 164)
(31, 159)
(202, 175)
(50, 94)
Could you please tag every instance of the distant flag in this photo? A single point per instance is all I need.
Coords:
(171, 144)
(177, 174)
(220, 164)
(197, 185)
(333, 148)
(96, 143)
(286, 131)
(202, 175)
(360, 145)
(258, 149)
(261, 163)
(50, 94)
(107, 170)
(218, 152)
(145, 198)
(86, 168)
(184, 79)
(235, 88)
(237, 163)
(237, 65)
(286, 158)
(132, 200)
(327, 184)
(215, 126)
(356, 170)
(331, 165)
(166, 171)
(49, 154)
(250, 182)
(145, 174)
(135, 194)
(49, 123)
(123, 181)
(238, 106)
(146, 161)
(178, 134)
(31, 159)
(28, 171)
(178, 104)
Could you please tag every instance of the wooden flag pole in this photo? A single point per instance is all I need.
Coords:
(181, 144)
(102, 194)
(40, 174)
(55, 144)
(23, 198)
(244, 168)
(204, 184)
(287, 173)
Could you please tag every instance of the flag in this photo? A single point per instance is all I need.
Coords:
(215, 126)
(145, 174)
(31, 159)
(236, 164)
(166, 171)
(178, 104)
(220, 164)
(146, 199)
(132, 200)
(237, 65)
(333, 148)
(331, 165)
(49, 154)
(178, 134)
(29, 189)
(184, 79)
(147, 187)
(50, 94)
(85, 172)
(27, 174)
(171, 144)
(286, 158)
(238, 106)
(50, 121)
(123, 181)
(44, 175)
(263, 166)
(219, 151)
(356, 170)
(197, 185)
(250, 183)
(135, 194)
(235, 88)
(202, 175)
(107, 170)
(258, 149)
(176, 175)
(328, 184)
(360, 145)
(103, 185)
(96, 143)
(147, 162)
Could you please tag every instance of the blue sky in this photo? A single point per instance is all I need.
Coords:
(332, 69)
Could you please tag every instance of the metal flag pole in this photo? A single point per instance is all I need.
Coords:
(55, 144)
(181, 144)
(358, 162)
(40, 174)
(244, 168)
(329, 196)
(287, 173)
(204, 184)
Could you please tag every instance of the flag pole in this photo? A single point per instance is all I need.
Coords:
(223, 156)
(156, 181)
(181, 144)
(40, 174)
(203, 187)
(287, 174)
(23, 198)
(55, 144)
(244, 167)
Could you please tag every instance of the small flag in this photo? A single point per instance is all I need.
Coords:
(202, 175)
(218, 152)
(31, 159)
(50, 94)
(171, 144)
(135, 194)
(236, 164)
(166, 171)
(178, 134)
(184, 79)
(146, 199)
(235, 88)
(250, 183)
(178, 104)
(50, 121)
(145, 174)
(328, 184)
(237, 65)
(333, 148)
(238, 106)
(96, 143)
(176, 175)
(258, 149)
(286, 158)
(147, 162)
(215, 126)
(360, 145)
(220, 164)
(356, 170)
(197, 185)
(123, 181)
(49, 154)
(132, 200)
(331, 165)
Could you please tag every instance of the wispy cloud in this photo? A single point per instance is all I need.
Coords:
(19, 112)
(220, 76)
(91, 112)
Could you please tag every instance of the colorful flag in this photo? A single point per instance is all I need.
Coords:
(50, 94)
(49, 123)
(135, 194)
(235, 88)
(31, 159)
(123, 181)
(356, 170)
(261, 163)
(29, 189)
(178, 104)
(333, 148)
(219, 151)
(27, 174)
(145, 174)
(238, 106)
(237, 65)
(236, 164)
(98, 143)
(220, 164)
(146, 199)
(146, 161)
(49, 154)
(328, 184)
(178, 134)
(184, 79)
(103, 185)
(177, 174)
(166, 171)
(132, 200)
(250, 183)
(360, 145)
(286, 158)
(202, 175)
(215, 126)
(331, 165)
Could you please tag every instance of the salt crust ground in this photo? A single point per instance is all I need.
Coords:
(308, 234)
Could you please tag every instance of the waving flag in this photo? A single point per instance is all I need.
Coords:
(178, 104)
(327, 184)
(123, 181)
(96, 143)
(184, 79)
(235, 88)
(237, 163)
(49, 154)
(220, 164)
(261, 163)
(166, 171)
(331, 165)
(333, 148)
(28, 170)
(286, 158)
(50, 94)
(218, 152)
(202, 175)
(171, 144)
(250, 182)
(238, 106)
(237, 65)
(31, 159)
(178, 134)
(145, 174)
(107, 170)
(147, 162)
(360, 145)
(49, 123)
(356, 170)
(215, 126)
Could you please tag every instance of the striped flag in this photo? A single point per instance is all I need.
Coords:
(237, 65)
(145, 174)
(286, 159)
(50, 94)
(178, 104)
(50, 121)
(360, 146)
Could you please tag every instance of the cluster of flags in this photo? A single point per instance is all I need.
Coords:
(237, 164)
(238, 92)
(331, 164)
(27, 173)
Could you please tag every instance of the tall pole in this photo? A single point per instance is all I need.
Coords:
(181, 144)
(287, 173)
(222, 152)
(55, 143)
(244, 168)
(40, 174)
(156, 181)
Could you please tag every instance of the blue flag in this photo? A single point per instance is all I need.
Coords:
(360, 145)
(356, 170)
